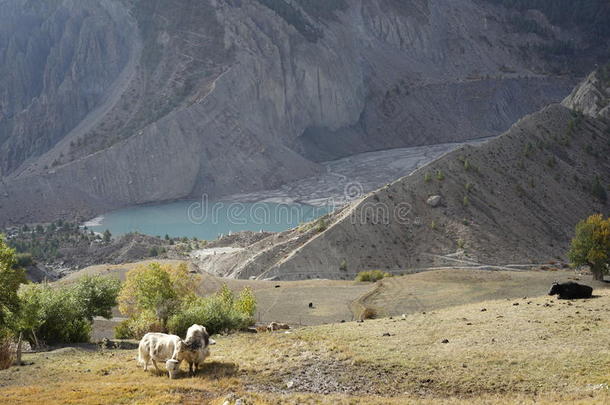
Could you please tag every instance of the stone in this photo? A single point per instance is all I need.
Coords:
(434, 201)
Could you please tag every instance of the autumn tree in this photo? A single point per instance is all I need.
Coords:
(591, 245)
(157, 289)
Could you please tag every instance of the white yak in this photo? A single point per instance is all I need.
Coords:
(161, 347)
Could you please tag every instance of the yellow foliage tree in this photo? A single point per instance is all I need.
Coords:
(591, 245)
(156, 288)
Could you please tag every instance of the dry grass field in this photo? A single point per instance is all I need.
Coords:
(444, 288)
(334, 300)
(522, 350)
(289, 302)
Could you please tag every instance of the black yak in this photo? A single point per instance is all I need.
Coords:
(571, 290)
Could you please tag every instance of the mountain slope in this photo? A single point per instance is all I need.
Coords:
(512, 200)
(593, 96)
(51, 77)
(230, 96)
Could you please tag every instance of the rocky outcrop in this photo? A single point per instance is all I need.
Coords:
(592, 97)
(226, 96)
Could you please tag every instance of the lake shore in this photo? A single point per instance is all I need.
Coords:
(275, 210)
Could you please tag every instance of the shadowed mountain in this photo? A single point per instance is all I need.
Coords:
(105, 104)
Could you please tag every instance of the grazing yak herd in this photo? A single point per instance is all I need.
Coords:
(172, 350)
(195, 348)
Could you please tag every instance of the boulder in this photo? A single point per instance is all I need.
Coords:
(434, 201)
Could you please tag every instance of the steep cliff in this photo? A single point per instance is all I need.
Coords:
(59, 60)
(169, 99)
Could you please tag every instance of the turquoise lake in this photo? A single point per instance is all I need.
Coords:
(205, 220)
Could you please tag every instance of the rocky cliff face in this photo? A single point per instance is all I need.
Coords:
(59, 60)
(593, 96)
(513, 200)
(166, 99)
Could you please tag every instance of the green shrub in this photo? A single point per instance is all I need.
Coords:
(469, 166)
(97, 295)
(343, 265)
(10, 279)
(439, 175)
(590, 150)
(137, 326)
(220, 312)
(372, 276)
(598, 191)
(65, 314)
(24, 259)
(55, 314)
(321, 225)
(427, 177)
(123, 330)
(571, 126)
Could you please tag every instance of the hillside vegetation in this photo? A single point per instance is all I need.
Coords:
(51, 251)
